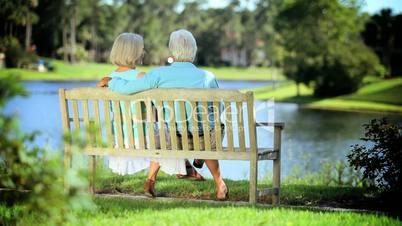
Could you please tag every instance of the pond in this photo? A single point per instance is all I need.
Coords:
(310, 136)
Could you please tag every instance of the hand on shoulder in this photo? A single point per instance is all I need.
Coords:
(104, 82)
(140, 74)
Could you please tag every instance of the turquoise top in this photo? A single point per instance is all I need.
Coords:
(130, 75)
(177, 75)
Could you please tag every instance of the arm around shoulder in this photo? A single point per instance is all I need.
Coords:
(123, 86)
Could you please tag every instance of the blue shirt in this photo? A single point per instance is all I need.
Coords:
(177, 75)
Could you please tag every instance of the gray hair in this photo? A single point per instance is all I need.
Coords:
(182, 45)
(127, 50)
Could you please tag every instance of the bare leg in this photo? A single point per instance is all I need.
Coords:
(153, 170)
(221, 189)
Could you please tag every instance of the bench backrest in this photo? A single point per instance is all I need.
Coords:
(117, 118)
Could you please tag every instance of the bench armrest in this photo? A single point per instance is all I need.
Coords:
(280, 125)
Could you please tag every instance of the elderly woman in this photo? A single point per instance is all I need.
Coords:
(180, 74)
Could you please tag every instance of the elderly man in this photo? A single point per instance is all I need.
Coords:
(180, 74)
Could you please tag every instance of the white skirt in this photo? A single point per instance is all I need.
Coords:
(132, 165)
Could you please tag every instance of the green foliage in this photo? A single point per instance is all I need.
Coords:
(33, 178)
(382, 34)
(323, 46)
(380, 157)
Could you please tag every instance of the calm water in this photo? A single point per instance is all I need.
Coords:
(310, 136)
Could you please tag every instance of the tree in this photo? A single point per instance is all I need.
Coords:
(323, 46)
(382, 33)
(19, 13)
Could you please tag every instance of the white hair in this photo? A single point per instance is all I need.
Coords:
(182, 45)
(127, 50)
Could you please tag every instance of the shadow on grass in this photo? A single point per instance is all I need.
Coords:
(301, 99)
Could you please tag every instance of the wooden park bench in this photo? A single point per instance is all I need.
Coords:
(83, 107)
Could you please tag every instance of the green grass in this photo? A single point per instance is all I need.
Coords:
(118, 211)
(375, 95)
(95, 71)
(291, 194)
(133, 212)
(144, 211)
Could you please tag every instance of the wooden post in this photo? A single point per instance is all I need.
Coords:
(66, 130)
(253, 148)
(276, 179)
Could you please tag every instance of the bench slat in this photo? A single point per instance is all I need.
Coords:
(205, 124)
(158, 94)
(150, 123)
(98, 129)
(228, 124)
(76, 120)
(183, 121)
(172, 125)
(240, 125)
(152, 153)
(129, 124)
(140, 125)
(108, 126)
(85, 113)
(117, 122)
(218, 129)
(194, 120)
(161, 124)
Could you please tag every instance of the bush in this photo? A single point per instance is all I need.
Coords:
(380, 157)
(32, 178)
(344, 69)
(16, 56)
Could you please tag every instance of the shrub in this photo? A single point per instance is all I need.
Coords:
(16, 56)
(32, 178)
(380, 157)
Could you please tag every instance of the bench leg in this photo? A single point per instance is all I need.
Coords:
(67, 163)
(253, 180)
(276, 179)
(91, 173)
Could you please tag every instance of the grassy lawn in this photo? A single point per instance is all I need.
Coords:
(95, 71)
(119, 211)
(133, 212)
(298, 205)
(376, 95)
(291, 194)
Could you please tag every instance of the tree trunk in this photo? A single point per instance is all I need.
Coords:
(28, 32)
(297, 89)
(73, 24)
(94, 47)
(65, 44)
